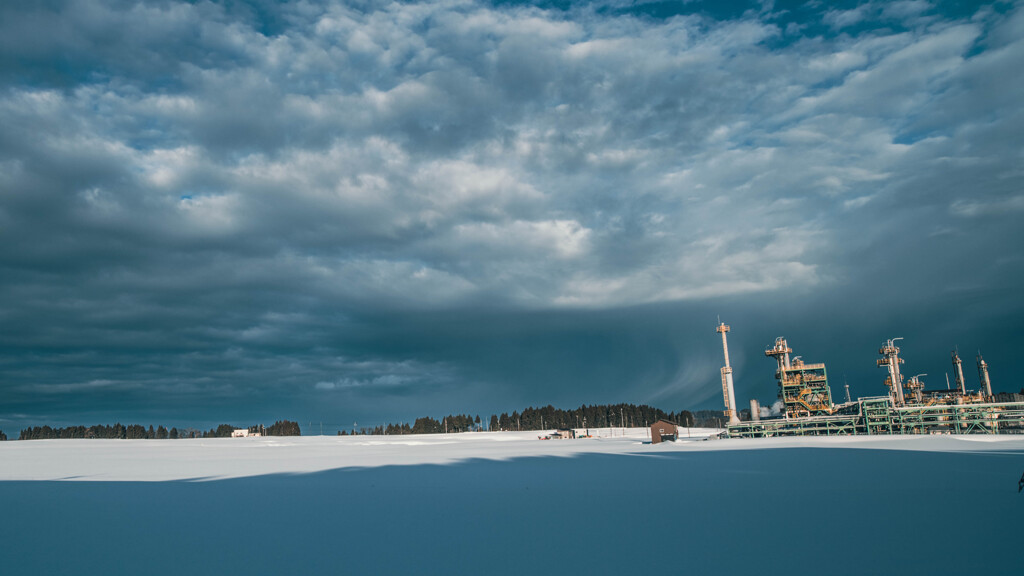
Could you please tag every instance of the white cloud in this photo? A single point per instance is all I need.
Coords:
(1002, 206)
(905, 9)
(217, 214)
(263, 192)
(557, 238)
(438, 152)
(844, 18)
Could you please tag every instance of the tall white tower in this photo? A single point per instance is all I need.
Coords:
(728, 395)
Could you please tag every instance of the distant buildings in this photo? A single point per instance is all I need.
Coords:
(560, 434)
(663, 430)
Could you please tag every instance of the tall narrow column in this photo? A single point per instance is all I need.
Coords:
(892, 361)
(986, 384)
(728, 394)
(958, 373)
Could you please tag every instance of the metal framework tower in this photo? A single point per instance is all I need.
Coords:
(892, 361)
(728, 395)
(780, 352)
(803, 388)
(986, 384)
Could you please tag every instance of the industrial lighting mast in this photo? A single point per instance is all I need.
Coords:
(729, 396)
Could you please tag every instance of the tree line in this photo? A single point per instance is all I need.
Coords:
(587, 416)
(549, 417)
(542, 418)
(139, 432)
(425, 425)
(279, 428)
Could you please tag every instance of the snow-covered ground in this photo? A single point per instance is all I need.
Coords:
(219, 458)
(508, 503)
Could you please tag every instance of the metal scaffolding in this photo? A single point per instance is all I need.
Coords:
(876, 416)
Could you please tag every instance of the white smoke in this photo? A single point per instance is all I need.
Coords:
(775, 410)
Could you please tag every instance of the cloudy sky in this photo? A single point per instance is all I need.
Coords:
(371, 211)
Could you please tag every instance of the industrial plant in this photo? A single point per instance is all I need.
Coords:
(805, 406)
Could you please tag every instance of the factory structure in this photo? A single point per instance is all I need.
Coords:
(805, 407)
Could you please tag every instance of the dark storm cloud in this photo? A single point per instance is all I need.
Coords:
(370, 210)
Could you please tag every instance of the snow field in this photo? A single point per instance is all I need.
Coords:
(507, 503)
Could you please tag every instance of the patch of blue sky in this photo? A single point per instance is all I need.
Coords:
(264, 16)
(911, 137)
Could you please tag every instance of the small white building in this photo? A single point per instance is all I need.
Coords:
(240, 433)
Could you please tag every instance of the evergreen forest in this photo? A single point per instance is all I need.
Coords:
(139, 432)
(549, 418)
